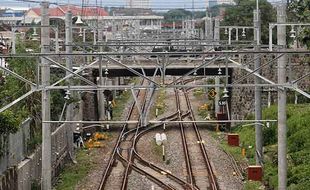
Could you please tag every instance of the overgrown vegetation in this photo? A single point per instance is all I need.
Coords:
(160, 102)
(73, 173)
(12, 88)
(298, 119)
(299, 11)
(120, 103)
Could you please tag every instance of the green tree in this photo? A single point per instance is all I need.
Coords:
(241, 14)
(177, 14)
(299, 11)
(12, 88)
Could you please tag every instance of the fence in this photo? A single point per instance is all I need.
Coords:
(14, 146)
(21, 172)
(8, 179)
(29, 170)
(27, 173)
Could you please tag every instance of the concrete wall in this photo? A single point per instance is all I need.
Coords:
(15, 146)
(243, 98)
(28, 168)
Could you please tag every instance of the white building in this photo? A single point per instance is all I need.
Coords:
(140, 4)
(230, 2)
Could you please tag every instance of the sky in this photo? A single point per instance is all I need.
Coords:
(157, 4)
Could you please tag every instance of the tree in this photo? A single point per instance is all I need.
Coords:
(177, 14)
(241, 14)
(299, 11)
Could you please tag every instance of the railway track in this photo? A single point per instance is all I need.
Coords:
(125, 152)
(114, 158)
(199, 175)
(126, 157)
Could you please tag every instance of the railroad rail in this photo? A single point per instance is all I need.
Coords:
(130, 134)
(132, 160)
(191, 178)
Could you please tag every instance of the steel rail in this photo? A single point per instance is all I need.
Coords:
(114, 152)
(188, 164)
(142, 172)
(212, 178)
(184, 184)
(131, 153)
(235, 165)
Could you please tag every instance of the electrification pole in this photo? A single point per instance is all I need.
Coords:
(217, 96)
(101, 98)
(258, 96)
(216, 36)
(69, 112)
(46, 113)
(282, 128)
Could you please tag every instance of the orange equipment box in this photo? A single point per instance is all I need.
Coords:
(233, 139)
(255, 173)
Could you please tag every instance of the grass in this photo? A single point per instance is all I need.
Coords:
(298, 119)
(198, 93)
(253, 185)
(120, 102)
(160, 103)
(73, 173)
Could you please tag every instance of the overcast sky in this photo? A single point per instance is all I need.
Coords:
(160, 4)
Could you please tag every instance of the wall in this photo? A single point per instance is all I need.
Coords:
(27, 169)
(15, 146)
(243, 97)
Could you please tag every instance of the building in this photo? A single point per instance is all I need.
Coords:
(120, 11)
(228, 2)
(59, 12)
(139, 4)
(11, 16)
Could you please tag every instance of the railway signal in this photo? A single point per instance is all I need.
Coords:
(212, 93)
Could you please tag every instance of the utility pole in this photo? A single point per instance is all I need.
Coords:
(217, 96)
(216, 36)
(13, 41)
(229, 36)
(69, 112)
(101, 98)
(56, 40)
(282, 128)
(258, 90)
(46, 113)
(216, 39)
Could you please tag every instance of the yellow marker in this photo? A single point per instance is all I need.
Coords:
(217, 128)
(243, 152)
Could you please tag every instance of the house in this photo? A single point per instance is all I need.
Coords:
(33, 15)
